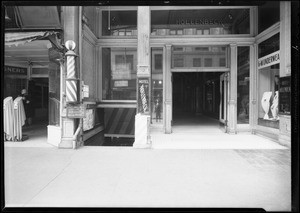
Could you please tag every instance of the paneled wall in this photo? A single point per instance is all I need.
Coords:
(89, 66)
(90, 16)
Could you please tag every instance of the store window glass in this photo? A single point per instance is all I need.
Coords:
(119, 23)
(197, 56)
(268, 84)
(200, 22)
(157, 86)
(268, 46)
(119, 73)
(268, 14)
(243, 80)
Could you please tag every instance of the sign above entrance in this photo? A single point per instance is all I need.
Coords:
(269, 60)
(204, 21)
(15, 70)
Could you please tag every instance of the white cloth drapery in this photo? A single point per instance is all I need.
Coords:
(19, 118)
(8, 121)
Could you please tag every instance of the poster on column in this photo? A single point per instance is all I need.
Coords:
(143, 95)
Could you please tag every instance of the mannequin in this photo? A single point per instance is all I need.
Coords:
(265, 103)
(274, 107)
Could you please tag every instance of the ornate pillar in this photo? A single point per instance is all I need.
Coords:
(168, 91)
(232, 111)
(142, 118)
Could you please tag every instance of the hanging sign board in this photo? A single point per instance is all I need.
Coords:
(76, 111)
(143, 95)
(15, 70)
(269, 60)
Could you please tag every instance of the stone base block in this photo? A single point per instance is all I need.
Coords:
(142, 129)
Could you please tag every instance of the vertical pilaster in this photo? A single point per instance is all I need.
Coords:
(253, 88)
(168, 90)
(71, 32)
(232, 119)
(142, 119)
(285, 38)
(285, 66)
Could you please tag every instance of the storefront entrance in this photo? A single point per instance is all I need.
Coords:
(199, 102)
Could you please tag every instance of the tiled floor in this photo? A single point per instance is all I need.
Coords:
(268, 159)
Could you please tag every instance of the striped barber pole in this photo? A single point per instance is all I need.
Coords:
(119, 121)
(71, 81)
(70, 67)
(71, 91)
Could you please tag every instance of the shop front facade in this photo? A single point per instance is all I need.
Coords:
(139, 67)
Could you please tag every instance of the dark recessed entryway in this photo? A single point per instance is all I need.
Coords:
(196, 99)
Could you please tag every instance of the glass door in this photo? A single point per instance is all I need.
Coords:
(223, 101)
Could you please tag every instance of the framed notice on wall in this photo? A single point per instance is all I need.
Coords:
(143, 95)
(285, 95)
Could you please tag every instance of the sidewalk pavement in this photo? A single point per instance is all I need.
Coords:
(128, 177)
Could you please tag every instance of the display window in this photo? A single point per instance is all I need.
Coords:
(119, 67)
(13, 86)
(243, 85)
(200, 22)
(268, 82)
(119, 23)
(268, 14)
(157, 86)
(199, 56)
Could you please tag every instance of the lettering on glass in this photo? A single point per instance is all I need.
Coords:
(268, 60)
(204, 21)
(15, 70)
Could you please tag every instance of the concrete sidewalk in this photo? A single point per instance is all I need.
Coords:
(127, 177)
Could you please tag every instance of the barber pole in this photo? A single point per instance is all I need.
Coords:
(71, 81)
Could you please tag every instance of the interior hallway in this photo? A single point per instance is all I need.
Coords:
(187, 122)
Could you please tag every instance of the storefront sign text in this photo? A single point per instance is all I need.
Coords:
(269, 60)
(15, 70)
(203, 21)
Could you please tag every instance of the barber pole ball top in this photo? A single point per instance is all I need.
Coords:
(70, 45)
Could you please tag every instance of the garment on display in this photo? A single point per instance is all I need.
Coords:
(265, 103)
(19, 118)
(8, 113)
(274, 107)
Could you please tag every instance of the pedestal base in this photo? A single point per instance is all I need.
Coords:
(142, 126)
(54, 135)
(66, 144)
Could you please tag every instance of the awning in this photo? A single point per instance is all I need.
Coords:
(18, 38)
